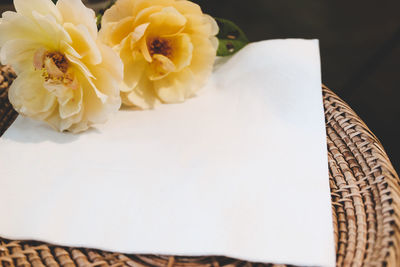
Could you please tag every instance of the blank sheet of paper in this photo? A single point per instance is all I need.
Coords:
(240, 170)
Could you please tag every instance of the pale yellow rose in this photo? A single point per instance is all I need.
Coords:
(168, 48)
(66, 77)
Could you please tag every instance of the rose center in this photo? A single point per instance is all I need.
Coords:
(160, 46)
(55, 67)
(59, 60)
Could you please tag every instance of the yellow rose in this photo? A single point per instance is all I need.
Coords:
(168, 48)
(66, 77)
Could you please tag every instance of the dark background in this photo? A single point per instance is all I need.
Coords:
(360, 49)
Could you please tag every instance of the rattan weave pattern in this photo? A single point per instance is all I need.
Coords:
(7, 113)
(365, 192)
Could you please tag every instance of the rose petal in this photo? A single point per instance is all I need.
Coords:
(203, 25)
(67, 123)
(121, 9)
(79, 127)
(134, 67)
(28, 96)
(202, 63)
(182, 50)
(20, 27)
(54, 31)
(214, 42)
(108, 86)
(111, 62)
(176, 87)
(67, 49)
(9, 15)
(166, 22)
(138, 33)
(140, 5)
(60, 124)
(121, 29)
(44, 7)
(160, 67)
(79, 65)
(188, 7)
(142, 44)
(141, 96)
(60, 91)
(38, 58)
(83, 43)
(87, 77)
(73, 106)
(75, 12)
(19, 54)
(213, 25)
(143, 15)
(97, 110)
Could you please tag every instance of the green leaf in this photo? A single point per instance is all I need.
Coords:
(100, 14)
(98, 20)
(231, 38)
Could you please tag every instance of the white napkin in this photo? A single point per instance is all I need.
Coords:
(241, 170)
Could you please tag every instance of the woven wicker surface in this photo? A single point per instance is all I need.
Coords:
(365, 192)
(7, 114)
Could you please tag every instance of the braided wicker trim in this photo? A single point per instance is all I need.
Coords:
(365, 192)
(7, 113)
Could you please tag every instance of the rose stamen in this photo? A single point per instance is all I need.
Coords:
(160, 46)
(59, 60)
(55, 68)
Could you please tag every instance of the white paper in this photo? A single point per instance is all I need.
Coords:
(241, 170)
